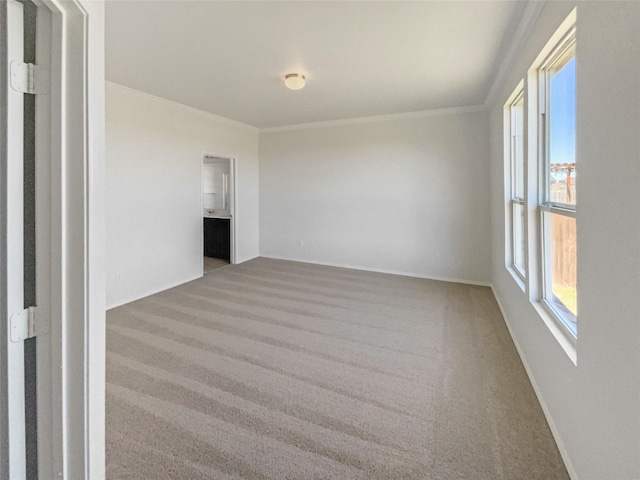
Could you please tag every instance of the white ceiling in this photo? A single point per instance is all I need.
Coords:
(360, 58)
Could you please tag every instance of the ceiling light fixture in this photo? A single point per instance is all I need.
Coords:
(294, 81)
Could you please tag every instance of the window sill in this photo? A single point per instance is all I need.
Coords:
(566, 340)
(517, 277)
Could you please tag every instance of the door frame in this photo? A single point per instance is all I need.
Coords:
(71, 358)
(12, 363)
(233, 182)
(70, 221)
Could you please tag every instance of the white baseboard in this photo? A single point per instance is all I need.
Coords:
(152, 292)
(164, 287)
(552, 425)
(391, 272)
(238, 262)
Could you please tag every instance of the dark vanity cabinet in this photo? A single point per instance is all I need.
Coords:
(217, 238)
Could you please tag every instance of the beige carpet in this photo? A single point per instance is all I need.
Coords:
(211, 263)
(284, 370)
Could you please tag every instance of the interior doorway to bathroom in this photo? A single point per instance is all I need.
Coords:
(218, 215)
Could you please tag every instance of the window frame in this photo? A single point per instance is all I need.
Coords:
(511, 182)
(563, 51)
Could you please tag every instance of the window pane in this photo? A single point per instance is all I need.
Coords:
(562, 267)
(518, 237)
(562, 133)
(517, 110)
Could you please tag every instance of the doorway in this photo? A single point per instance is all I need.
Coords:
(218, 212)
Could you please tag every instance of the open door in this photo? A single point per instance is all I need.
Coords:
(14, 316)
(22, 82)
(52, 291)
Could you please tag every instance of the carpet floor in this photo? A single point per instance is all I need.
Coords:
(211, 263)
(282, 370)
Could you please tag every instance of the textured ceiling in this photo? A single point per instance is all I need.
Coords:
(360, 58)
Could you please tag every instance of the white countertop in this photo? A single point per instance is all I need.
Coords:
(216, 213)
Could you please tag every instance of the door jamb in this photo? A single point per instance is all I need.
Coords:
(71, 357)
(12, 414)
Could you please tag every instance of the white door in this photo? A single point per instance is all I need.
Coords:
(13, 412)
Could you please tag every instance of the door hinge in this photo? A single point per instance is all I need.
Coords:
(29, 78)
(28, 323)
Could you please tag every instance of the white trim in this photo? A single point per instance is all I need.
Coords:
(303, 126)
(517, 277)
(162, 289)
(529, 17)
(328, 264)
(511, 181)
(43, 184)
(545, 409)
(12, 254)
(562, 30)
(561, 45)
(154, 291)
(75, 363)
(558, 209)
(558, 329)
(227, 121)
(233, 164)
(4, 336)
(375, 270)
(321, 124)
(377, 118)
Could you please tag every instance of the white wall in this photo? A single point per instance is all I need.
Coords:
(594, 407)
(407, 195)
(154, 152)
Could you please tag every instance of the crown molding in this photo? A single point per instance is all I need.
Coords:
(303, 126)
(212, 116)
(376, 118)
(529, 17)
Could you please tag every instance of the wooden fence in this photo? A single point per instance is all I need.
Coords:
(563, 244)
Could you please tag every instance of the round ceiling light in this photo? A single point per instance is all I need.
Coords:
(294, 81)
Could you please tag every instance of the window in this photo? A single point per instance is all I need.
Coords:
(557, 153)
(514, 159)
